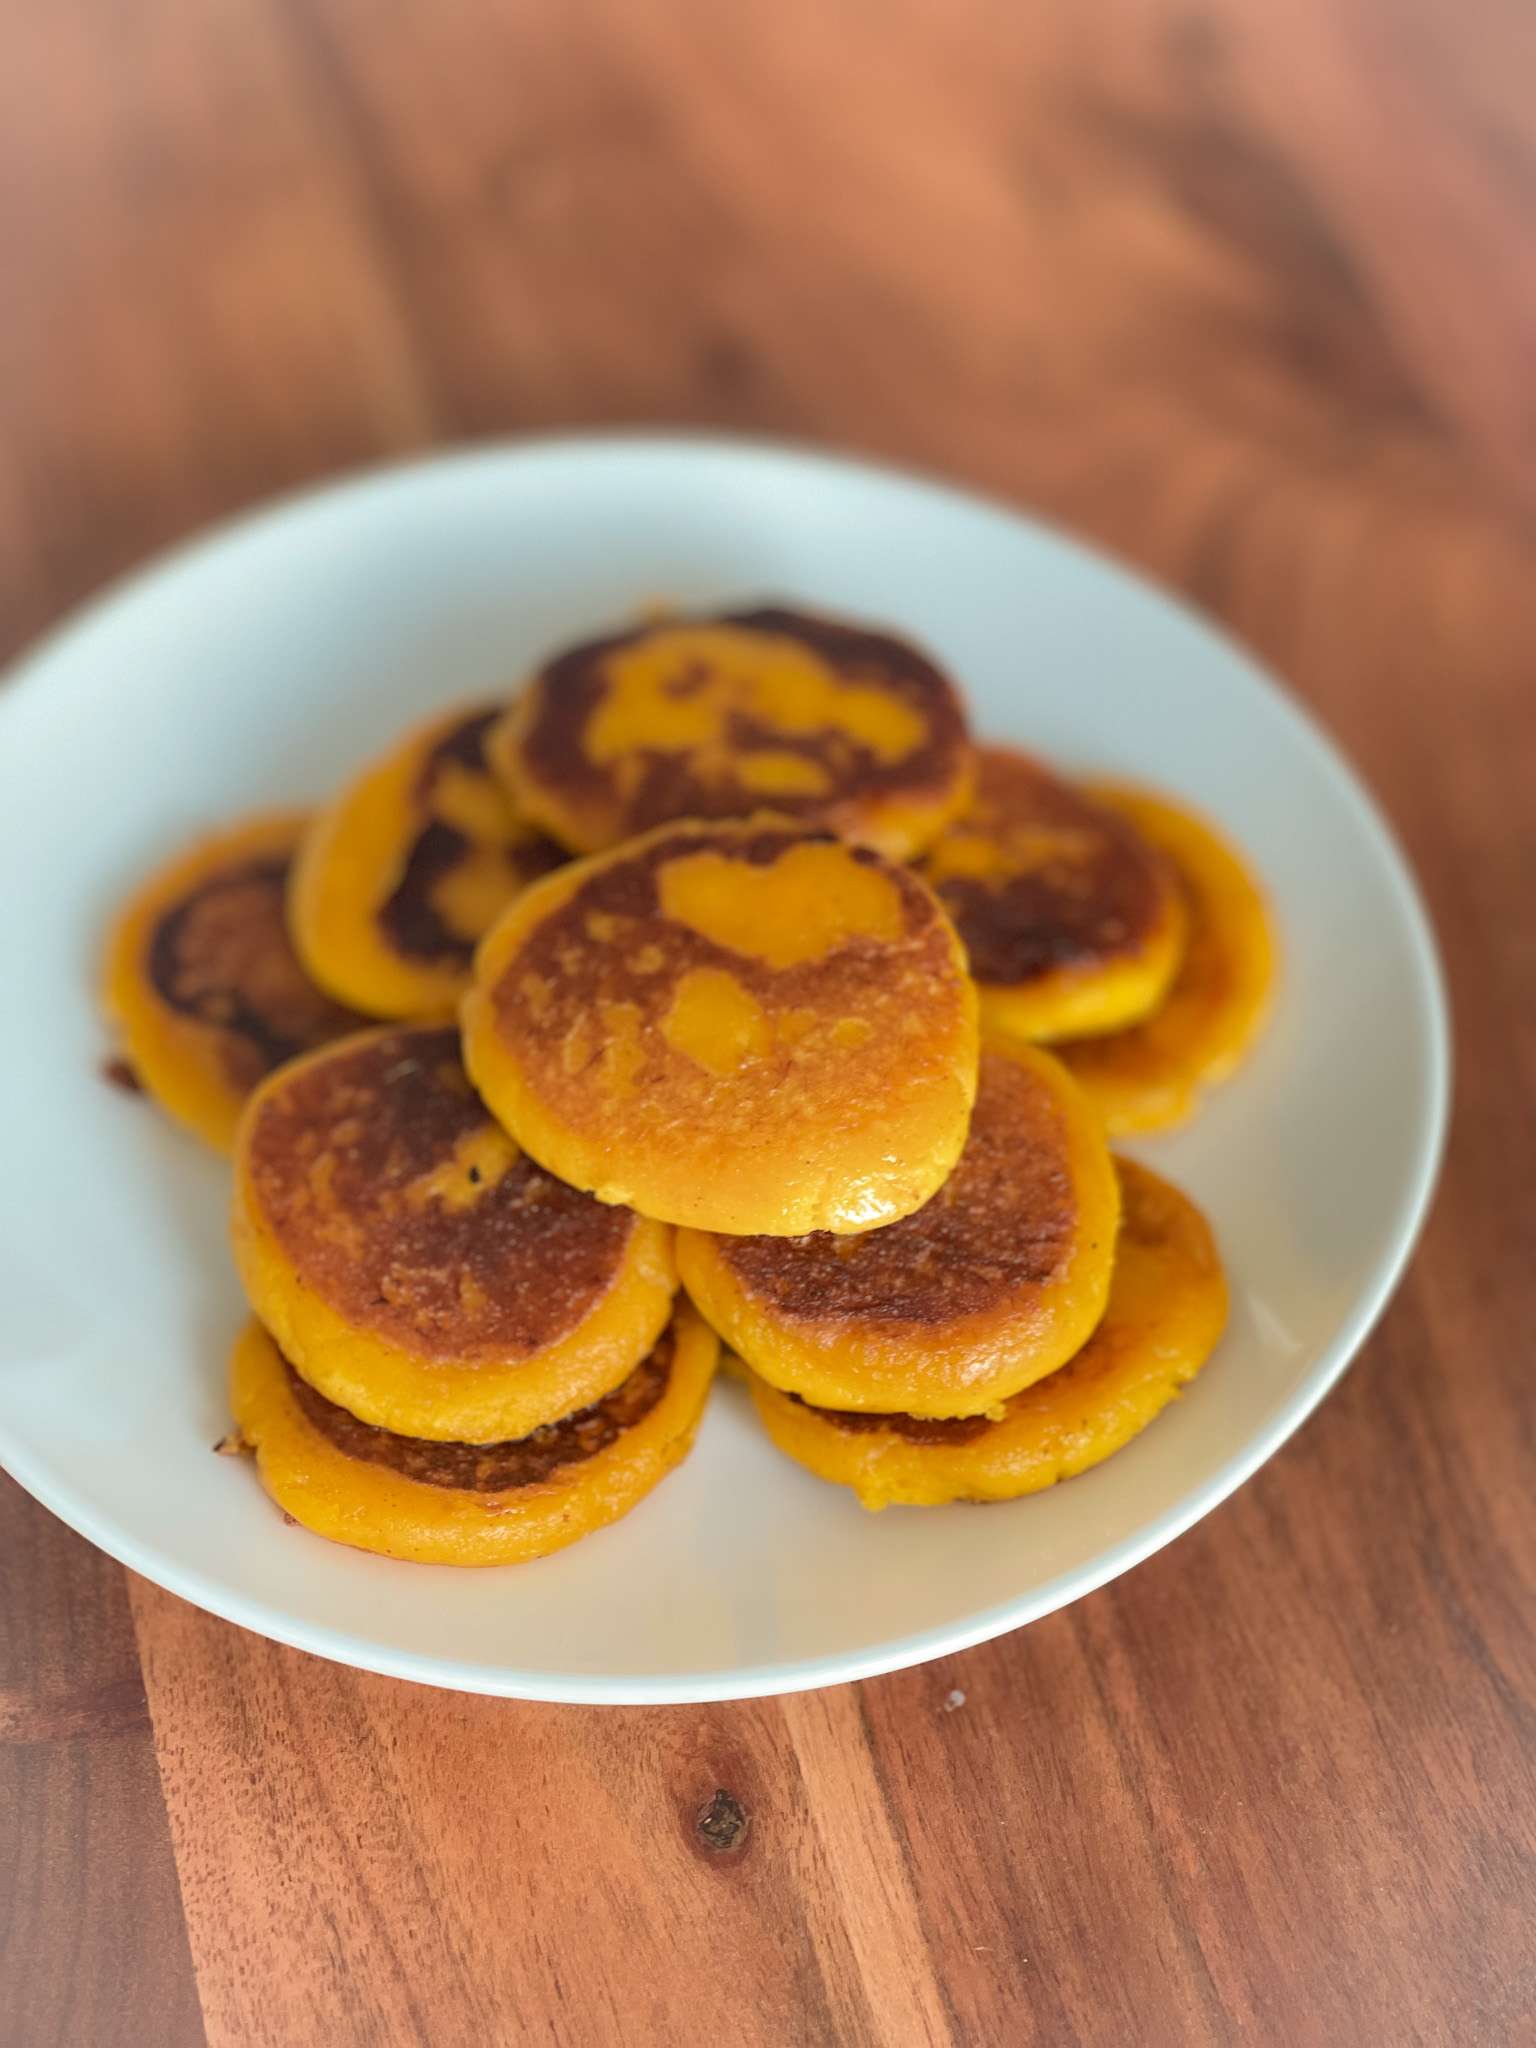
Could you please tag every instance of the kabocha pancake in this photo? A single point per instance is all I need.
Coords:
(463, 1503)
(203, 987)
(995, 1282)
(415, 1266)
(747, 1026)
(1150, 1077)
(720, 717)
(400, 876)
(1073, 922)
(1166, 1310)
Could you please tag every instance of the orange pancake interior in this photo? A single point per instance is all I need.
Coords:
(470, 1503)
(1074, 923)
(743, 1026)
(419, 1269)
(1150, 1077)
(401, 875)
(719, 717)
(202, 985)
(994, 1282)
(1167, 1307)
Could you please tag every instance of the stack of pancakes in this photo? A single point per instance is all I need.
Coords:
(721, 952)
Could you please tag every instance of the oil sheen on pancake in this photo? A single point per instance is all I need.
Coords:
(418, 1268)
(203, 987)
(401, 874)
(1152, 1075)
(1073, 922)
(719, 717)
(470, 1503)
(993, 1283)
(1167, 1306)
(744, 1026)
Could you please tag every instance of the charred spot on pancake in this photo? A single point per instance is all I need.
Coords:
(916, 1429)
(1002, 1224)
(1037, 876)
(749, 758)
(465, 745)
(498, 1467)
(221, 956)
(411, 918)
(384, 1180)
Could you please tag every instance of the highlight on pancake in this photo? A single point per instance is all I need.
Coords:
(712, 994)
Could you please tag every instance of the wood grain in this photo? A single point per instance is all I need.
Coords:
(93, 1947)
(1243, 292)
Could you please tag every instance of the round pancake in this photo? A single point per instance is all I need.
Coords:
(1074, 924)
(720, 717)
(1151, 1076)
(402, 873)
(995, 1282)
(462, 1503)
(202, 986)
(745, 1026)
(416, 1267)
(1167, 1307)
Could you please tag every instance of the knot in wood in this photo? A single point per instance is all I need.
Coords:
(722, 1824)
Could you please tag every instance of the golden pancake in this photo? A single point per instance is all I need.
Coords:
(415, 1266)
(1166, 1310)
(1150, 1077)
(828, 722)
(1073, 923)
(202, 986)
(468, 1503)
(745, 1026)
(399, 876)
(995, 1282)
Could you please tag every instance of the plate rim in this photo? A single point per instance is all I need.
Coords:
(1406, 1223)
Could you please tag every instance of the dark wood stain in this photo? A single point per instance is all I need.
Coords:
(722, 1824)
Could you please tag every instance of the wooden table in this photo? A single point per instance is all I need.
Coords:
(1244, 291)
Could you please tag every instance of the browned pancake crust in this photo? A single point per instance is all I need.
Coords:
(570, 965)
(494, 1468)
(917, 1429)
(1094, 902)
(1003, 1222)
(573, 686)
(332, 1160)
(409, 918)
(221, 957)
(1148, 1222)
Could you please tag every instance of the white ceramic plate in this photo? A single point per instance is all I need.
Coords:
(260, 665)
